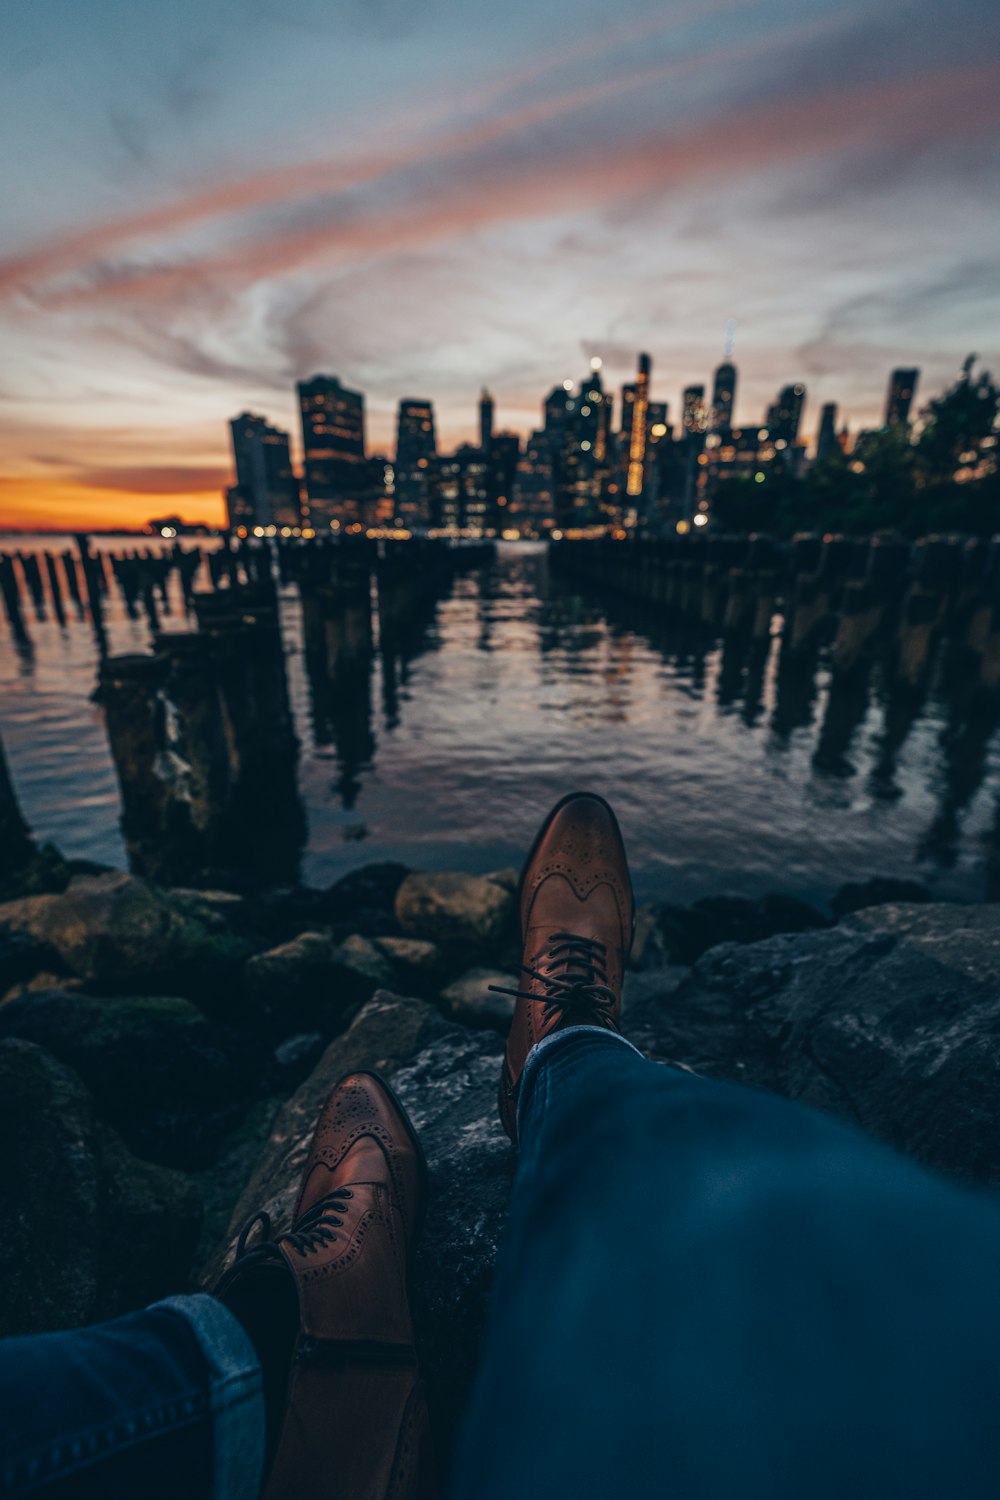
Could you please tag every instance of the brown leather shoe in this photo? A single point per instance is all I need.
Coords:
(326, 1306)
(577, 918)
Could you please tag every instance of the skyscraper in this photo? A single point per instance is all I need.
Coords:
(337, 477)
(694, 418)
(826, 438)
(416, 450)
(266, 491)
(485, 420)
(784, 417)
(902, 387)
(637, 437)
(723, 398)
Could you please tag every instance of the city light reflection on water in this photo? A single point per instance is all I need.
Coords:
(728, 774)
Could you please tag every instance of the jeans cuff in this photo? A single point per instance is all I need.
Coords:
(543, 1049)
(235, 1395)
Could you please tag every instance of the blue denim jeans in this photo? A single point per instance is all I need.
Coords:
(707, 1292)
(156, 1404)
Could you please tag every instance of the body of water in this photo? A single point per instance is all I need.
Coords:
(729, 774)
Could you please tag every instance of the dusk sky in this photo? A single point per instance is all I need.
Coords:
(205, 200)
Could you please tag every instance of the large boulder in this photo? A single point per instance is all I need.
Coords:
(464, 910)
(89, 1230)
(470, 999)
(170, 1082)
(446, 1077)
(891, 1019)
(312, 983)
(126, 934)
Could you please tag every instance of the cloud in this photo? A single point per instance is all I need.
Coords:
(154, 479)
(442, 206)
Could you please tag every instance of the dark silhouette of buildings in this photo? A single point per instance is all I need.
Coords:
(785, 416)
(899, 397)
(266, 491)
(337, 477)
(723, 398)
(826, 437)
(416, 454)
(485, 421)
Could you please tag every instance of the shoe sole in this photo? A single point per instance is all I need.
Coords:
(543, 830)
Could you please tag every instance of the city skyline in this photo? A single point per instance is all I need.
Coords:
(235, 199)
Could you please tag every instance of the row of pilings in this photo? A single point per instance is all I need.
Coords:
(67, 584)
(843, 593)
(201, 728)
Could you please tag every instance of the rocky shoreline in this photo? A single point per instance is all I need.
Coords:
(164, 1052)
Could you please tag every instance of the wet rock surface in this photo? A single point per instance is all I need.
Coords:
(891, 1020)
(124, 932)
(144, 1030)
(470, 910)
(89, 1230)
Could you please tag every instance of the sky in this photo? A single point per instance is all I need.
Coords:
(203, 201)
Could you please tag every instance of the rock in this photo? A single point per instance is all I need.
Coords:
(300, 1052)
(446, 1077)
(23, 956)
(508, 878)
(290, 986)
(88, 1230)
(878, 891)
(411, 955)
(681, 934)
(169, 1081)
(447, 907)
(309, 984)
(470, 1000)
(150, 1222)
(372, 888)
(360, 955)
(644, 997)
(125, 933)
(891, 1019)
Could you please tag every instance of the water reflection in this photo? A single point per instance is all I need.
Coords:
(742, 757)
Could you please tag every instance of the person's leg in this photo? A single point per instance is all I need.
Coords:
(706, 1291)
(155, 1403)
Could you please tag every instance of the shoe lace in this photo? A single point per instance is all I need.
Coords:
(574, 973)
(316, 1227)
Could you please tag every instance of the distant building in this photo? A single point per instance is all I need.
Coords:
(785, 416)
(899, 397)
(338, 479)
(461, 492)
(485, 421)
(723, 398)
(694, 418)
(635, 474)
(505, 456)
(416, 451)
(266, 491)
(826, 437)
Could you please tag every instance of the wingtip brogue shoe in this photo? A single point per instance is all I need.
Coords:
(326, 1303)
(577, 917)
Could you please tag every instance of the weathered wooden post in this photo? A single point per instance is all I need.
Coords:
(92, 584)
(12, 597)
(16, 845)
(33, 578)
(918, 627)
(72, 580)
(153, 778)
(55, 589)
(861, 612)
